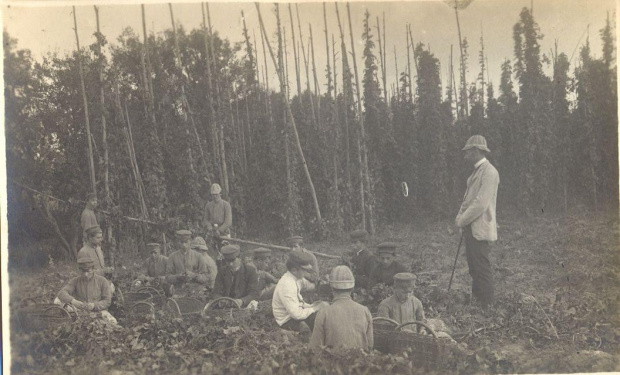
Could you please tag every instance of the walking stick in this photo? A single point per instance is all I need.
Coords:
(455, 259)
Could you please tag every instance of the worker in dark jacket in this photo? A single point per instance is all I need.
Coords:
(266, 281)
(236, 279)
(387, 267)
(363, 259)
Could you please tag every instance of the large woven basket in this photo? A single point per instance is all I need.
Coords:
(184, 306)
(43, 316)
(233, 313)
(426, 351)
(132, 298)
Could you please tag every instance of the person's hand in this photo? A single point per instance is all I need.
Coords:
(319, 305)
(90, 306)
(190, 275)
(78, 304)
(239, 302)
(253, 305)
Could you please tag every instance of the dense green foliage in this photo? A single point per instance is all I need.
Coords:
(553, 139)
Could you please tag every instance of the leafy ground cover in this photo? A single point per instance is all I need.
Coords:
(557, 282)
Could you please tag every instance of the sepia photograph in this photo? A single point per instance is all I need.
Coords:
(363, 187)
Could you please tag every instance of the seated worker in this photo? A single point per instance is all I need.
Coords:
(363, 259)
(88, 292)
(296, 243)
(185, 264)
(154, 265)
(200, 246)
(386, 267)
(403, 306)
(266, 281)
(236, 279)
(345, 323)
(289, 309)
(92, 247)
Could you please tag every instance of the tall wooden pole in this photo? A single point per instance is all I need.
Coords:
(297, 75)
(91, 163)
(345, 99)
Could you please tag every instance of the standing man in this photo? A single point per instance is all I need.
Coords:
(236, 279)
(92, 247)
(345, 323)
(88, 218)
(477, 219)
(218, 214)
(185, 264)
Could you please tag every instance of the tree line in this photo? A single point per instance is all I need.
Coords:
(169, 114)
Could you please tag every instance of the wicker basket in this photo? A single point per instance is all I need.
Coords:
(233, 313)
(426, 351)
(134, 297)
(43, 316)
(142, 309)
(184, 306)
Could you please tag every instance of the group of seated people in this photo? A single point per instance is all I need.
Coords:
(247, 280)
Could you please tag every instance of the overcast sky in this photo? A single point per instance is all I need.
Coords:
(49, 28)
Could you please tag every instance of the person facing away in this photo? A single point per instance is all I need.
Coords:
(363, 259)
(200, 245)
(88, 292)
(387, 266)
(185, 265)
(155, 264)
(266, 281)
(218, 214)
(345, 323)
(403, 306)
(89, 218)
(290, 310)
(477, 218)
(236, 279)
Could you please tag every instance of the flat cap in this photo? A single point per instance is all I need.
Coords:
(85, 260)
(91, 196)
(92, 230)
(294, 240)
(359, 235)
(387, 247)
(302, 259)
(199, 243)
(261, 252)
(183, 233)
(404, 278)
(230, 251)
(152, 245)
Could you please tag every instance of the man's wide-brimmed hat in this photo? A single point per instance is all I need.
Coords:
(216, 189)
(478, 142)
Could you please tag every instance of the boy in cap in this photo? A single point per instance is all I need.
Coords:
(218, 214)
(200, 245)
(155, 264)
(403, 306)
(345, 323)
(476, 217)
(236, 279)
(88, 292)
(289, 308)
(387, 266)
(92, 247)
(296, 243)
(89, 218)
(266, 281)
(363, 259)
(185, 264)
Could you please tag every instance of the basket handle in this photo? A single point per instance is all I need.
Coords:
(119, 295)
(384, 319)
(426, 326)
(208, 306)
(176, 305)
(150, 305)
(58, 308)
(148, 289)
